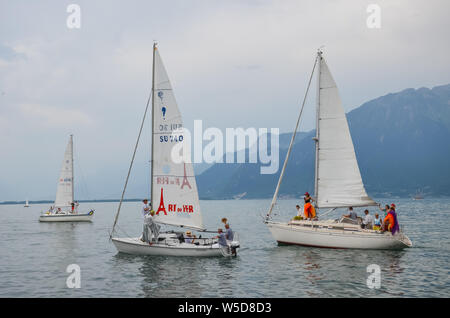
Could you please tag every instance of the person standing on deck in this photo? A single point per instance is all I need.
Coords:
(390, 222)
(310, 212)
(145, 209)
(229, 235)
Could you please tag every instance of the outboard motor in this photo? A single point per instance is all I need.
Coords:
(234, 245)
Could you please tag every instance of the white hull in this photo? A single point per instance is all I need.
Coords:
(136, 247)
(295, 234)
(66, 217)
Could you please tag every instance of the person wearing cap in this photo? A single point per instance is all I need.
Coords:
(189, 238)
(310, 212)
(308, 197)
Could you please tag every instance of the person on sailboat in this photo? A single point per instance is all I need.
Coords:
(73, 207)
(299, 211)
(376, 222)
(308, 197)
(310, 212)
(351, 214)
(390, 222)
(145, 208)
(189, 238)
(367, 222)
(222, 240)
(151, 229)
(229, 235)
(385, 210)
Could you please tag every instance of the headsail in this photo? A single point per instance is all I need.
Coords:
(64, 192)
(338, 179)
(174, 189)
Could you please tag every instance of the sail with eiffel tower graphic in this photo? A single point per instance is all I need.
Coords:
(174, 189)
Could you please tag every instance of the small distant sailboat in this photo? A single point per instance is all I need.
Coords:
(64, 208)
(26, 204)
(418, 195)
(338, 182)
(173, 185)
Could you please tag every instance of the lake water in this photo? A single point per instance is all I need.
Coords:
(34, 257)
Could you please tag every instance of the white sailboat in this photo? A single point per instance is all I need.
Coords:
(338, 182)
(174, 194)
(27, 205)
(62, 210)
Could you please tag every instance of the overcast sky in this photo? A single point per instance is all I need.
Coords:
(232, 64)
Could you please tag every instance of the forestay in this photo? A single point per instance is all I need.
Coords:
(64, 192)
(339, 182)
(174, 189)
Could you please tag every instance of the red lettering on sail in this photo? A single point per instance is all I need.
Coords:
(161, 204)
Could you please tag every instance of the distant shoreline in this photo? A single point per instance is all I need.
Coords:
(202, 199)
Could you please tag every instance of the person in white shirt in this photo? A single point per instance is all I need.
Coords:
(367, 221)
(146, 208)
(299, 211)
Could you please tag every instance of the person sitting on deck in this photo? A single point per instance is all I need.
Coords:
(222, 240)
(310, 212)
(376, 222)
(299, 211)
(189, 238)
(367, 221)
(351, 214)
(390, 222)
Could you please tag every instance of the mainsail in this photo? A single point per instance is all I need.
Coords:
(64, 192)
(338, 179)
(174, 192)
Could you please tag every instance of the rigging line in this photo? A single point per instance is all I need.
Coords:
(131, 164)
(275, 195)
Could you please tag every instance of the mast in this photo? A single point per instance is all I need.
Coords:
(153, 125)
(316, 139)
(73, 184)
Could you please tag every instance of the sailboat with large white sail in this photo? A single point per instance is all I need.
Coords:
(65, 209)
(338, 182)
(174, 194)
(27, 205)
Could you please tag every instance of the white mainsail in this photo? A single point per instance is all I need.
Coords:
(64, 192)
(338, 179)
(174, 189)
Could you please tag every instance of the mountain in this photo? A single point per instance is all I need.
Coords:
(402, 142)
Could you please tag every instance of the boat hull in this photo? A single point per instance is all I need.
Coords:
(285, 233)
(135, 246)
(66, 217)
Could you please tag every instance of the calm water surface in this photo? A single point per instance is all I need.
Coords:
(34, 257)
